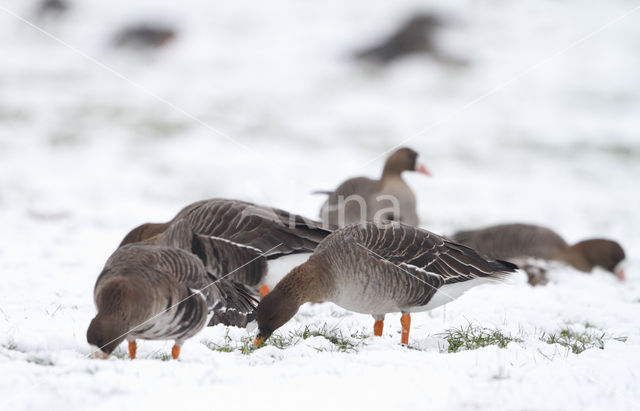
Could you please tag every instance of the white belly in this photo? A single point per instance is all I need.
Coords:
(448, 293)
(279, 267)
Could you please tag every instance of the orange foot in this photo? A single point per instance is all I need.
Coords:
(377, 328)
(264, 290)
(175, 352)
(132, 349)
(405, 321)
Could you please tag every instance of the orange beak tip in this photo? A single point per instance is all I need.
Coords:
(258, 341)
(422, 169)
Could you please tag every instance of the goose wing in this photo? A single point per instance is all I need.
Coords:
(231, 302)
(424, 253)
(235, 236)
(271, 230)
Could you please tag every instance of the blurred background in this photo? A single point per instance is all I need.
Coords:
(117, 113)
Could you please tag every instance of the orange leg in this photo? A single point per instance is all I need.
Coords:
(175, 352)
(132, 349)
(405, 321)
(264, 290)
(377, 328)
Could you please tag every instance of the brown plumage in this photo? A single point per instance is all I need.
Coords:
(417, 35)
(144, 36)
(147, 231)
(517, 242)
(362, 199)
(377, 269)
(154, 292)
(235, 236)
(52, 8)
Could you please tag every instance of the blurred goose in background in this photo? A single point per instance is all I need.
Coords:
(153, 292)
(143, 36)
(519, 242)
(52, 8)
(259, 244)
(362, 199)
(417, 35)
(378, 269)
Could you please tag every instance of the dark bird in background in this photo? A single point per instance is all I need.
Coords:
(152, 292)
(520, 242)
(417, 35)
(144, 36)
(52, 8)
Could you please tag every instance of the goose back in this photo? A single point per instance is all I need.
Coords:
(237, 237)
(397, 267)
(513, 241)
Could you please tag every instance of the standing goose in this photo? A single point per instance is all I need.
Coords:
(378, 269)
(155, 292)
(362, 199)
(517, 242)
(232, 235)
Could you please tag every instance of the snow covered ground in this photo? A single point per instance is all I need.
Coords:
(260, 101)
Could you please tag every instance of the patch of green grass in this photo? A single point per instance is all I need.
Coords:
(341, 342)
(10, 345)
(471, 337)
(579, 341)
(40, 361)
(120, 354)
(245, 345)
(161, 355)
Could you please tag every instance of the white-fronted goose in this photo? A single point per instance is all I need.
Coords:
(152, 292)
(235, 235)
(417, 35)
(517, 242)
(362, 199)
(378, 269)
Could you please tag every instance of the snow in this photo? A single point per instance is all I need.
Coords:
(261, 102)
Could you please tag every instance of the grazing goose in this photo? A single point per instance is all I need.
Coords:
(378, 269)
(518, 242)
(155, 292)
(362, 199)
(235, 235)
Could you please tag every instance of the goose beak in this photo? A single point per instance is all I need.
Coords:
(259, 340)
(420, 168)
(619, 270)
(100, 355)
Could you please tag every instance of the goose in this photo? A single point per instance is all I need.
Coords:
(260, 244)
(518, 242)
(154, 292)
(362, 199)
(417, 35)
(144, 36)
(378, 269)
